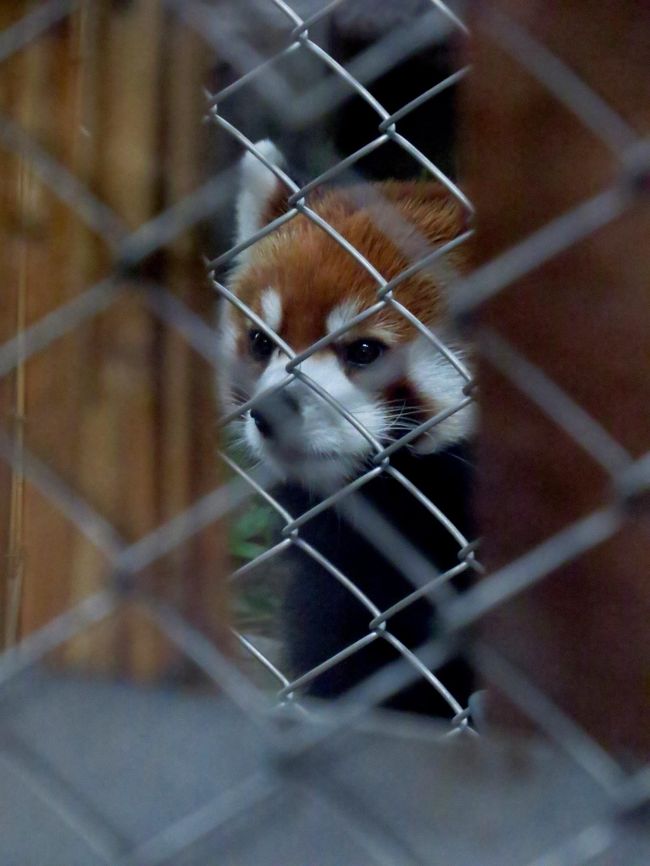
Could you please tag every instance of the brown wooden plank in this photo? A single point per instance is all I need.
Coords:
(119, 407)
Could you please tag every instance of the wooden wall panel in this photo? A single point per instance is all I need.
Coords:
(120, 407)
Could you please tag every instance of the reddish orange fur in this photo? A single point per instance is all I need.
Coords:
(313, 274)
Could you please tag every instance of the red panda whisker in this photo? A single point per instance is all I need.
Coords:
(414, 416)
(239, 440)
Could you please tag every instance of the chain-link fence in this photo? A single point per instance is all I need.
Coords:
(356, 310)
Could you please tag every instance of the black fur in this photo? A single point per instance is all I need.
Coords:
(321, 615)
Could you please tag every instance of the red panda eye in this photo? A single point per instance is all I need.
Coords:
(261, 345)
(363, 352)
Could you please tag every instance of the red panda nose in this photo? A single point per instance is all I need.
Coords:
(274, 411)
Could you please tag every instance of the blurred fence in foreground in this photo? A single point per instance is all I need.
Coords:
(110, 490)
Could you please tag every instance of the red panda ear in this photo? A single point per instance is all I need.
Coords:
(429, 206)
(262, 196)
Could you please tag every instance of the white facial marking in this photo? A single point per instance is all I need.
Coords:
(342, 315)
(271, 309)
(374, 327)
(332, 432)
(437, 379)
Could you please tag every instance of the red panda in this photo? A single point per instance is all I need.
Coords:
(385, 377)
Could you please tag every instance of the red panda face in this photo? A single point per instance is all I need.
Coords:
(378, 376)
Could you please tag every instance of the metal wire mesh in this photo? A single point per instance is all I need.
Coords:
(298, 102)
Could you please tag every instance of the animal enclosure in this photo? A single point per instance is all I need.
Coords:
(146, 557)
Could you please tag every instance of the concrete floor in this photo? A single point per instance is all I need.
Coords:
(96, 773)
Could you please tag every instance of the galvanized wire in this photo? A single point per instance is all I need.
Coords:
(296, 111)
